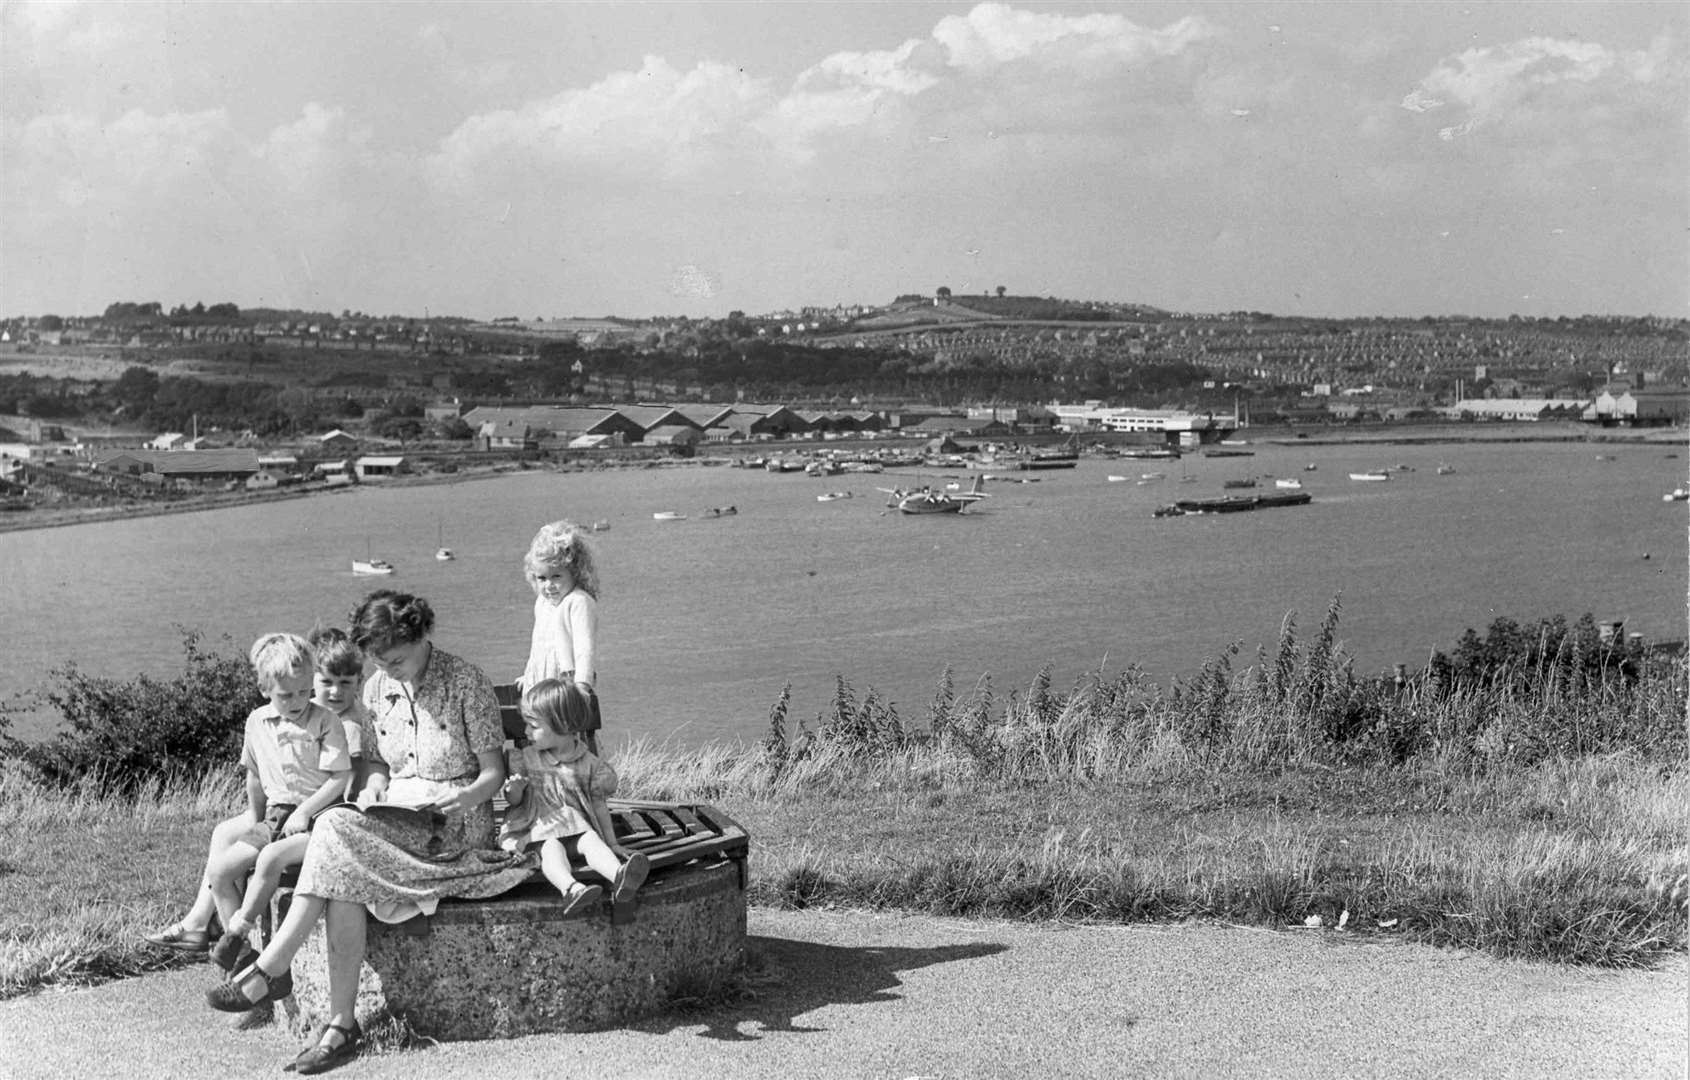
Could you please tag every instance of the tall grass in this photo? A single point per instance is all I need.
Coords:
(1528, 799)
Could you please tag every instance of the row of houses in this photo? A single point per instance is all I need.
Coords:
(242, 466)
(550, 427)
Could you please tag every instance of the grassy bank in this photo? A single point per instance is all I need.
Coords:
(1540, 811)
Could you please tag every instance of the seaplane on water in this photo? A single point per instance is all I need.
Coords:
(926, 500)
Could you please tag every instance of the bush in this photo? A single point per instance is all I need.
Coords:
(144, 729)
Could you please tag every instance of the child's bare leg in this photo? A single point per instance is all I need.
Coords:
(554, 863)
(266, 878)
(225, 876)
(205, 904)
(625, 874)
(603, 861)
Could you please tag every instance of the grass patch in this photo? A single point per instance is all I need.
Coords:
(1527, 809)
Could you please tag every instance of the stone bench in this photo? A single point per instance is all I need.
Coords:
(514, 965)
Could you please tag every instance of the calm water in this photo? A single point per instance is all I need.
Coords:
(702, 621)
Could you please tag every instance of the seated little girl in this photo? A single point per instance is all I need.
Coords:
(557, 795)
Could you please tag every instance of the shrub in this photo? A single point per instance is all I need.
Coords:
(146, 728)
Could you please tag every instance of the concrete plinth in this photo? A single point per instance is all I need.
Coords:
(513, 965)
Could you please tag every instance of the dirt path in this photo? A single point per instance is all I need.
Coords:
(850, 994)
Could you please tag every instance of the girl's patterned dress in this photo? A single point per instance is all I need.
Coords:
(428, 737)
(560, 797)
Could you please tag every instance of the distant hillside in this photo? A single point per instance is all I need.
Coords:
(1049, 307)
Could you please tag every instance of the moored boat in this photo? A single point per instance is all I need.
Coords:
(1371, 476)
(668, 515)
(1234, 504)
(1290, 483)
(371, 566)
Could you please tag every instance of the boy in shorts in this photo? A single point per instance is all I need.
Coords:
(338, 676)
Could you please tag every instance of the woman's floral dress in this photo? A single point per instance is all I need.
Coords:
(399, 865)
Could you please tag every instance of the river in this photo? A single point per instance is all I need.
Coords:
(703, 620)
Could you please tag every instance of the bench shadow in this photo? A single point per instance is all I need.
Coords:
(784, 979)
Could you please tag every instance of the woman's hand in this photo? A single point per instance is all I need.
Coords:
(452, 802)
(515, 788)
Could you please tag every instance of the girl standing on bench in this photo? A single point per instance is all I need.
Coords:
(559, 567)
(557, 799)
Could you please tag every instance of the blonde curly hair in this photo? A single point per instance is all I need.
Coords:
(561, 544)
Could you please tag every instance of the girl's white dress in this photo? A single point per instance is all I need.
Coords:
(559, 800)
(562, 645)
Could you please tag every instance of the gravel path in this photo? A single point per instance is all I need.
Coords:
(851, 994)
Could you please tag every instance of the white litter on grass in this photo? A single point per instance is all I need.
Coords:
(1344, 919)
(1386, 924)
(1313, 922)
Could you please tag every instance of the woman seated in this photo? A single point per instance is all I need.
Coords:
(432, 739)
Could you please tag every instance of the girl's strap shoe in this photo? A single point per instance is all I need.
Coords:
(580, 896)
(629, 878)
(180, 938)
(227, 996)
(232, 952)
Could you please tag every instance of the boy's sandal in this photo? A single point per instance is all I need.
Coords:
(629, 877)
(581, 896)
(227, 996)
(180, 938)
(233, 952)
(318, 1058)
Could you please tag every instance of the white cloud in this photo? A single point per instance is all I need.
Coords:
(84, 160)
(992, 35)
(307, 154)
(1540, 73)
(436, 39)
(714, 120)
(655, 118)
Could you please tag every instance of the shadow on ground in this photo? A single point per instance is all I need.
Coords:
(785, 979)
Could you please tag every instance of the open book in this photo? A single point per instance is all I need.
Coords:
(424, 814)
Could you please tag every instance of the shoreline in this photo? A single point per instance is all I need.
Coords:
(51, 518)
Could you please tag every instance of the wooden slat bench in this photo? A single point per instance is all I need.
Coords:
(669, 834)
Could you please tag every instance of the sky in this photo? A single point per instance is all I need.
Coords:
(647, 159)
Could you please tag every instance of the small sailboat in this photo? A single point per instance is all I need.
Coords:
(668, 515)
(1290, 483)
(369, 564)
(1445, 468)
(441, 551)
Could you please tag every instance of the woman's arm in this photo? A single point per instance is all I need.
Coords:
(487, 781)
(375, 782)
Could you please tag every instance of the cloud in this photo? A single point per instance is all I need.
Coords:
(1522, 79)
(82, 160)
(436, 39)
(657, 118)
(305, 155)
(716, 123)
(992, 35)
